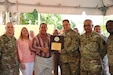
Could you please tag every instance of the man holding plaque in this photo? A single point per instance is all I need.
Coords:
(70, 55)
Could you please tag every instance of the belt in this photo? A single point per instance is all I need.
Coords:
(44, 56)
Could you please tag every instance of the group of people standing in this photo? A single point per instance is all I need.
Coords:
(86, 54)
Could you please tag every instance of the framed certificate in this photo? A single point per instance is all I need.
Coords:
(57, 42)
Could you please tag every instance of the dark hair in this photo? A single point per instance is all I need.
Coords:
(66, 20)
(96, 26)
(109, 21)
(44, 24)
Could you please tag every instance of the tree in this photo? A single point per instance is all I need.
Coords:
(32, 18)
(29, 18)
(52, 19)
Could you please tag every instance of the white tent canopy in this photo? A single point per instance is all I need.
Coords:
(91, 7)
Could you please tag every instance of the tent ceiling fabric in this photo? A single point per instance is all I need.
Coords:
(91, 7)
(2, 8)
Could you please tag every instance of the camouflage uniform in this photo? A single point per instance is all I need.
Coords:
(8, 56)
(92, 50)
(70, 55)
(110, 53)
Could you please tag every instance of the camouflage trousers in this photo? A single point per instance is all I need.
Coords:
(111, 69)
(9, 72)
(70, 69)
(89, 73)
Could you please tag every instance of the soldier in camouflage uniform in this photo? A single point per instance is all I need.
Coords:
(8, 52)
(105, 66)
(92, 49)
(70, 55)
(109, 27)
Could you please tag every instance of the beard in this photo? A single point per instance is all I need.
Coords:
(110, 31)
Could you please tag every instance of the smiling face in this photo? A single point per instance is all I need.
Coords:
(24, 33)
(97, 29)
(88, 26)
(43, 28)
(109, 27)
(66, 25)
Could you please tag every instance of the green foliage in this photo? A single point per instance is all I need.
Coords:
(35, 14)
(106, 18)
(103, 26)
(52, 19)
(73, 24)
(29, 18)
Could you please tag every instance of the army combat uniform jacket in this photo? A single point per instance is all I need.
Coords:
(8, 56)
(110, 53)
(70, 54)
(93, 49)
